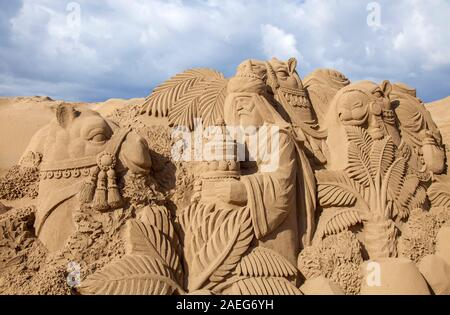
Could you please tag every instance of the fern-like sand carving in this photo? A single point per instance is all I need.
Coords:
(375, 189)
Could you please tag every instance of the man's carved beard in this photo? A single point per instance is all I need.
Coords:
(293, 97)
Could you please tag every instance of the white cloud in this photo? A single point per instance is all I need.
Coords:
(124, 48)
(278, 43)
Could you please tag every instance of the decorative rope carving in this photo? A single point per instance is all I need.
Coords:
(100, 186)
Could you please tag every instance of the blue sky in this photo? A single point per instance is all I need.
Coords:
(94, 50)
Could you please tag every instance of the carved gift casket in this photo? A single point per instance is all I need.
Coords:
(262, 183)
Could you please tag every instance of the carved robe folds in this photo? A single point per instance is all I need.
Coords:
(281, 200)
(276, 201)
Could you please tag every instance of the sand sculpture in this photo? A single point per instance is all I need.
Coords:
(350, 197)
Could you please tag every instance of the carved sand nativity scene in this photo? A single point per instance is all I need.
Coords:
(263, 183)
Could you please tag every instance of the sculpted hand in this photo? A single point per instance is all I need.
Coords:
(196, 191)
(232, 192)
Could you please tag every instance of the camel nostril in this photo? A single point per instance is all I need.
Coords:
(345, 115)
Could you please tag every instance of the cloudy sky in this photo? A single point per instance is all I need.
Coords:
(94, 50)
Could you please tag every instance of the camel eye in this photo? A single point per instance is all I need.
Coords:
(282, 74)
(99, 138)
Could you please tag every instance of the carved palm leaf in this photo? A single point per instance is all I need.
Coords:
(382, 156)
(336, 189)
(169, 92)
(418, 199)
(136, 275)
(160, 217)
(335, 220)
(359, 165)
(189, 220)
(185, 110)
(397, 176)
(410, 196)
(145, 239)
(185, 217)
(265, 286)
(397, 192)
(218, 243)
(264, 262)
(439, 194)
(212, 101)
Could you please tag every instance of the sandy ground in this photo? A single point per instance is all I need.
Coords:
(21, 117)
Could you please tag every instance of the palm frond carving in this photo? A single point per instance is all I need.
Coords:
(359, 165)
(337, 189)
(168, 93)
(212, 101)
(152, 263)
(382, 155)
(439, 194)
(264, 286)
(193, 94)
(374, 189)
(137, 275)
(264, 262)
(336, 220)
(217, 241)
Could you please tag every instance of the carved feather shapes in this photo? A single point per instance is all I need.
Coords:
(197, 93)
(184, 111)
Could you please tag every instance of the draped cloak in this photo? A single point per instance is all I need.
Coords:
(283, 201)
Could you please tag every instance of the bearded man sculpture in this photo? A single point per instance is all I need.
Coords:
(282, 202)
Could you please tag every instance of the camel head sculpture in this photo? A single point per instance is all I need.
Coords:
(83, 154)
(287, 87)
(358, 104)
(362, 103)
